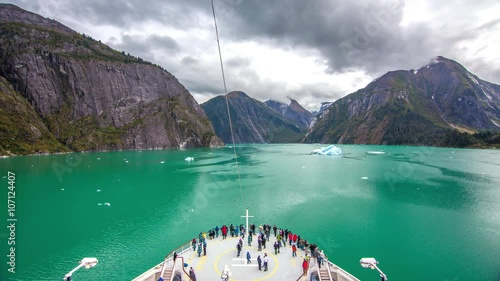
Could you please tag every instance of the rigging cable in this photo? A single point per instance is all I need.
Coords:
(227, 105)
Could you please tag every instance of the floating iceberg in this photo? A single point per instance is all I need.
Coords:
(375, 152)
(329, 150)
(189, 159)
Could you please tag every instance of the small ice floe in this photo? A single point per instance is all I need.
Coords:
(62, 189)
(98, 158)
(4, 177)
(189, 159)
(162, 162)
(303, 167)
(107, 204)
(375, 152)
(210, 153)
(99, 204)
(364, 178)
(98, 190)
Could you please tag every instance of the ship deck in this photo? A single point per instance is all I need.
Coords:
(222, 252)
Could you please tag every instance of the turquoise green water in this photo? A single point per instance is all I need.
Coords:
(424, 213)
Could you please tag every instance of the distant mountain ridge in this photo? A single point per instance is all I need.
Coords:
(253, 121)
(419, 107)
(89, 96)
(293, 112)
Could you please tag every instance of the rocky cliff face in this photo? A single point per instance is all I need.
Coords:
(253, 121)
(92, 97)
(411, 107)
(22, 130)
(292, 112)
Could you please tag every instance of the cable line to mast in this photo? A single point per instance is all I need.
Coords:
(227, 106)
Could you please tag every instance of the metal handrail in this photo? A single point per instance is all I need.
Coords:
(162, 272)
(182, 258)
(328, 268)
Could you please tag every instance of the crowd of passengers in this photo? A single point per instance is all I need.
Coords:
(263, 234)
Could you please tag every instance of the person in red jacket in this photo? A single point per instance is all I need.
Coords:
(305, 265)
(224, 231)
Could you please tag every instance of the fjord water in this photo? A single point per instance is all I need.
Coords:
(425, 213)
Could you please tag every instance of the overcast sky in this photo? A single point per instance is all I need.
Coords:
(309, 50)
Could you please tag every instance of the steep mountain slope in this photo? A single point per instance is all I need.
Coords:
(92, 97)
(21, 129)
(292, 112)
(411, 107)
(461, 97)
(253, 121)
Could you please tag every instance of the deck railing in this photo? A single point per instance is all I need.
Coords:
(341, 273)
(149, 275)
(180, 250)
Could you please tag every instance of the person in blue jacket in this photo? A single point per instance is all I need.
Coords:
(199, 249)
(248, 258)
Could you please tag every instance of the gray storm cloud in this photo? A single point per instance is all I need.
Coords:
(355, 35)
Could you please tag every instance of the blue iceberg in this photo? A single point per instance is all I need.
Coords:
(329, 150)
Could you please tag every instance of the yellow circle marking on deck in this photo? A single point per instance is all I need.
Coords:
(263, 278)
(203, 258)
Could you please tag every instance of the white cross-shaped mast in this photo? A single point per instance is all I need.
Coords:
(247, 216)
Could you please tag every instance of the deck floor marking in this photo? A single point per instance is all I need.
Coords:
(259, 279)
(203, 259)
(201, 264)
